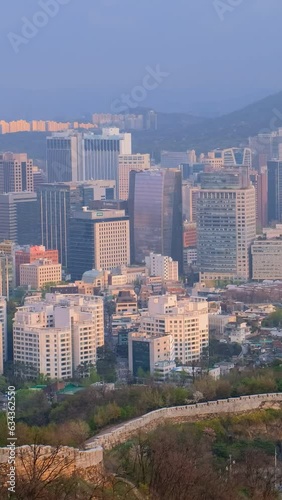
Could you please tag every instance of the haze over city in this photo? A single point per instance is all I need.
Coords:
(140, 250)
(221, 56)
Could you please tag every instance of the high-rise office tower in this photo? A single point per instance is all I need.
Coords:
(277, 144)
(99, 190)
(39, 177)
(186, 320)
(226, 224)
(54, 208)
(98, 240)
(16, 173)
(189, 201)
(259, 181)
(64, 156)
(19, 220)
(262, 146)
(151, 119)
(58, 201)
(173, 159)
(274, 173)
(155, 208)
(58, 334)
(101, 153)
(73, 156)
(127, 163)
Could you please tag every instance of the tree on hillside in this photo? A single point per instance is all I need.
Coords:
(18, 373)
(274, 320)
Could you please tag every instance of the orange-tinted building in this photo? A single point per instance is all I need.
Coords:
(29, 254)
(189, 234)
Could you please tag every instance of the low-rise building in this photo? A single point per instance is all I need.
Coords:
(150, 353)
(39, 273)
(267, 259)
(239, 334)
(29, 254)
(163, 266)
(218, 322)
(126, 302)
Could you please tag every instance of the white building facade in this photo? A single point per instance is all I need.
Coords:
(163, 266)
(58, 334)
(186, 320)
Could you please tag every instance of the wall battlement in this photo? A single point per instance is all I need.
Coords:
(77, 459)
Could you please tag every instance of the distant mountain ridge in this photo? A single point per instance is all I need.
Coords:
(228, 130)
(180, 131)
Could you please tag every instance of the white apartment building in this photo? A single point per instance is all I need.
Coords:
(163, 266)
(186, 320)
(59, 333)
(40, 272)
(3, 334)
(127, 163)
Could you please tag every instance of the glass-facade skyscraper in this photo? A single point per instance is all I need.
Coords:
(155, 208)
(19, 220)
(274, 197)
(54, 209)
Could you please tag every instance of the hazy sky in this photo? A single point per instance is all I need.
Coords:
(110, 43)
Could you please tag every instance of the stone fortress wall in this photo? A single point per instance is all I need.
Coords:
(120, 433)
(92, 457)
(77, 459)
